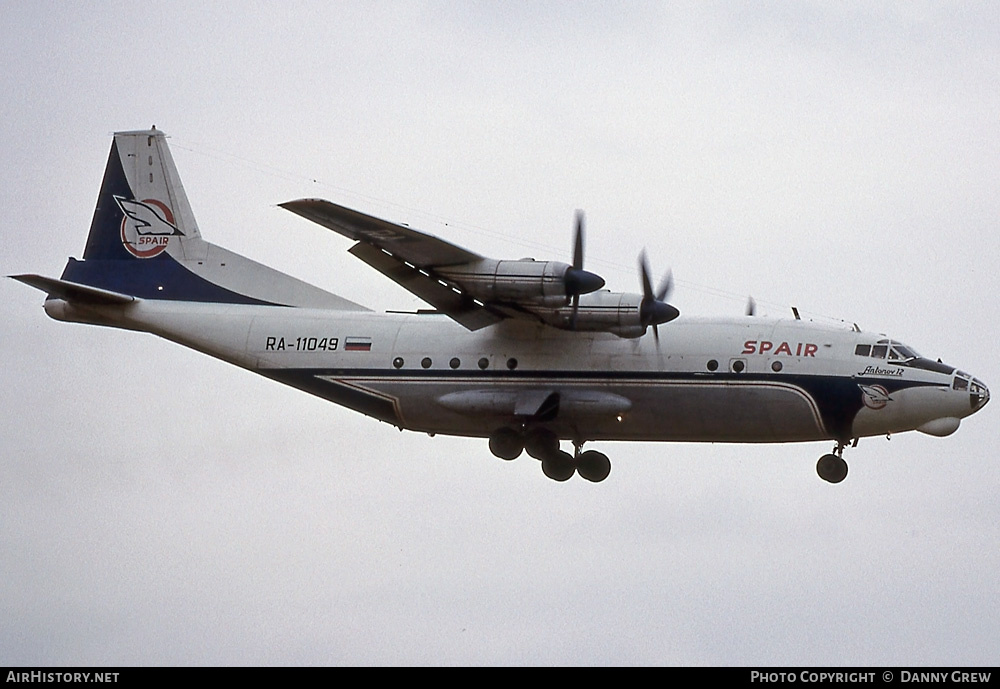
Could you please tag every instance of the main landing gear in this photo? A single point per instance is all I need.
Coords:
(832, 467)
(542, 444)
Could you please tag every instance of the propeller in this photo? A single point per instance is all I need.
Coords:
(653, 310)
(577, 280)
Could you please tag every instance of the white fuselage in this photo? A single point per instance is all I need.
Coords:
(742, 379)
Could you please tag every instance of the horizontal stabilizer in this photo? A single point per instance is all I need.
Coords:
(72, 291)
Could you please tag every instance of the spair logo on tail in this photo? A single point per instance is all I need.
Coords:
(147, 226)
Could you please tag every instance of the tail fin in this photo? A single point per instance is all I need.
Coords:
(141, 195)
(144, 240)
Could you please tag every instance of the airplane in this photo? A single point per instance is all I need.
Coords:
(525, 353)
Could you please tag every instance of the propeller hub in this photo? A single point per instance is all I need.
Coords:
(653, 310)
(579, 281)
(657, 312)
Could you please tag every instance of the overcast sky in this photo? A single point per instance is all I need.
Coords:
(161, 507)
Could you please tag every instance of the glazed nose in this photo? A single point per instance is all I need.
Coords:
(979, 394)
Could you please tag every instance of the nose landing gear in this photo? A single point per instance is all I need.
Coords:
(832, 467)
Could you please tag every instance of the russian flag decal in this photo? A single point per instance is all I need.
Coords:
(358, 344)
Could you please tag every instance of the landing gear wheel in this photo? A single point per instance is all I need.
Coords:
(506, 443)
(593, 466)
(831, 468)
(559, 466)
(541, 443)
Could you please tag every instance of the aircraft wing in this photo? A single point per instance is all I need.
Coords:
(420, 249)
(405, 256)
(456, 304)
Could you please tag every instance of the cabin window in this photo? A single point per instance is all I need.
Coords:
(484, 363)
(738, 365)
(712, 365)
(512, 363)
(426, 362)
(398, 362)
(776, 366)
(455, 362)
(863, 350)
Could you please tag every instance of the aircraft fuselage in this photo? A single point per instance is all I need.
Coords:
(747, 379)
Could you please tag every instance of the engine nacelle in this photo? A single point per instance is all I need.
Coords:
(525, 280)
(612, 312)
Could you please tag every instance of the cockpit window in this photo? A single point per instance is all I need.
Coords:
(899, 354)
(897, 350)
(961, 384)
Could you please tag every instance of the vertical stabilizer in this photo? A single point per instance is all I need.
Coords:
(151, 173)
(142, 210)
(144, 241)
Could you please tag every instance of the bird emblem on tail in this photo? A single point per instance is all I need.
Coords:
(146, 226)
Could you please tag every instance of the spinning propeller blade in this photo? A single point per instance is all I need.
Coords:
(577, 280)
(653, 309)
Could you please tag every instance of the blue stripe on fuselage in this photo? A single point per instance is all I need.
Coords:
(838, 399)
